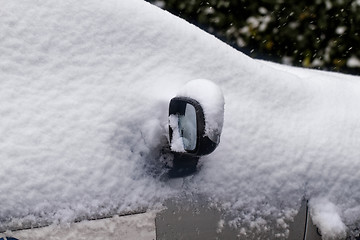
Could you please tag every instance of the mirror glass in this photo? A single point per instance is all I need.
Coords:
(188, 127)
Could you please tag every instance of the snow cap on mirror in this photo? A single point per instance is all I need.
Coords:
(211, 98)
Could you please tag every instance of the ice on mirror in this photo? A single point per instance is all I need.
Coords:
(188, 127)
(184, 130)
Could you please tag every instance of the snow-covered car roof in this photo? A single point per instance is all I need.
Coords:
(84, 92)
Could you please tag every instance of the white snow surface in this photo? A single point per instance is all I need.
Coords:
(84, 92)
(177, 144)
(325, 215)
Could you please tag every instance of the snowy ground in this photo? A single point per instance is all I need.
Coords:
(84, 91)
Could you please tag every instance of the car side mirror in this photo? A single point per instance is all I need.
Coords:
(195, 122)
(187, 128)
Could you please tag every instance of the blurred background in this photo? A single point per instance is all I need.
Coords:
(321, 34)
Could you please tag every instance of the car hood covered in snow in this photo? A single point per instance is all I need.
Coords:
(84, 91)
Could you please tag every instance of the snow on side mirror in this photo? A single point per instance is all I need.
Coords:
(187, 128)
(196, 118)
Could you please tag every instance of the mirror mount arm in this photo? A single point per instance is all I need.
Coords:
(183, 165)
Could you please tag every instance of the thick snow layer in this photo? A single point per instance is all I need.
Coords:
(84, 92)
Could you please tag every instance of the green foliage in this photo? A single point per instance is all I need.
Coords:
(318, 33)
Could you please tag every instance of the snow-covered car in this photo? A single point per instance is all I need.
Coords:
(85, 88)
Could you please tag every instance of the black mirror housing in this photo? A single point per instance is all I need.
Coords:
(203, 144)
(196, 117)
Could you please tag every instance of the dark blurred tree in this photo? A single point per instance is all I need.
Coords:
(318, 33)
